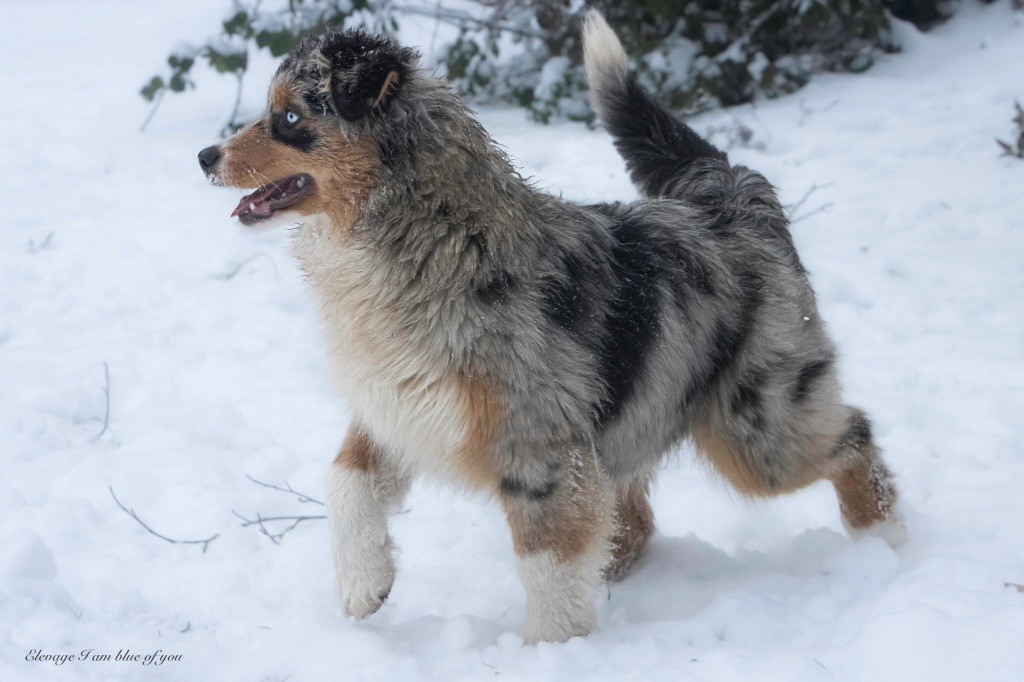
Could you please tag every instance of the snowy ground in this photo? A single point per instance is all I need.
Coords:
(114, 250)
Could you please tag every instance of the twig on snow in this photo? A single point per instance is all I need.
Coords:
(822, 666)
(791, 209)
(287, 488)
(76, 614)
(806, 111)
(45, 244)
(821, 209)
(237, 267)
(106, 410)
(131, 512)
(261, 522)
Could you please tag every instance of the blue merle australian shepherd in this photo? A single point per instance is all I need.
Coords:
(545, 352)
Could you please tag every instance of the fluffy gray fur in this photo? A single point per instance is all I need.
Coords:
(614, 329)
(468, 253)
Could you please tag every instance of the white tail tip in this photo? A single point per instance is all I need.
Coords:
(603, 56)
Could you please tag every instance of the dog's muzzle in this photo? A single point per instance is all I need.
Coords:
(208, 158)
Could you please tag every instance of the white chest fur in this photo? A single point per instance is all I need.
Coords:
(405, 397)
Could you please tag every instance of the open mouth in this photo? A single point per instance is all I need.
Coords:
(272, 197)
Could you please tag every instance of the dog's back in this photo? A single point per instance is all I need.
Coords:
(743, 363)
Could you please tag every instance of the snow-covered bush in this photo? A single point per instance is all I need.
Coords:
(693, 54)
(245, 27)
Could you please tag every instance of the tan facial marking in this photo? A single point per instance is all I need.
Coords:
(281, 96)
(344, 170)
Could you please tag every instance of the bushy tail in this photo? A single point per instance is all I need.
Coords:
(657, 147)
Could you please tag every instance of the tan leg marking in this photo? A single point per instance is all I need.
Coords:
(634, 525)
(484, 411)
(573, 520)
(357, 452)
(560, 536)
(864, 484)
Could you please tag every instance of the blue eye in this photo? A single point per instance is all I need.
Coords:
(291, 118)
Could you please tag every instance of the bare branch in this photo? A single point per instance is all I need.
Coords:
(287, 488)
(458, 18)
(261, 522)
(791, 209)
(131, 512)
(232, 125)
(45, 244)
(152, 111)
(237, 267)
(106, 411)
(76, 614)
(806, 111)
(821, 209)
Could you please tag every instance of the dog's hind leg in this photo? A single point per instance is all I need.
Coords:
(864, 484)
(363, 487)
(831, 441)
(561, 522)
(634, 525)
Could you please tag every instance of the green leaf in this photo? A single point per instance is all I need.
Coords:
(149, 90)
(238, 24)
(227, 62)
(179, 82)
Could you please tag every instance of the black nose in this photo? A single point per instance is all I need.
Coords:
(208, 157)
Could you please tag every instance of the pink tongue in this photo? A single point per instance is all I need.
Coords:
(253, 204)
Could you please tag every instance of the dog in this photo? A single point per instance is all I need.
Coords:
(545, 352)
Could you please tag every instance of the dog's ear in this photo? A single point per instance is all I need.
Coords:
(366, 71)
(356, 94)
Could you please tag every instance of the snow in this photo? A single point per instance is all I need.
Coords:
(115, 252)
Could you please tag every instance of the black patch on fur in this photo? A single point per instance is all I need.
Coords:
(294, 135)
(657, 147)
(633, 321)
(495, 290)
(511, 486)
(857, 435)
(360, 65)
(563, 300)
(807, 375)
(726, 340)
(748, 402)
(697, 273)
(391, 152)
(476, 241)
(318, 103)
(691, 278)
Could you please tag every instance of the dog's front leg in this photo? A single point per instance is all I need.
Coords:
(561, 521)
(363, 487)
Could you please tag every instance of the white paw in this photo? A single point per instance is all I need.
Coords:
(893, 530)
(560, 597)
(365, 583)
(559, 630)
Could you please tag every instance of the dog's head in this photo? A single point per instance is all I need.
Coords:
(313, 151)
